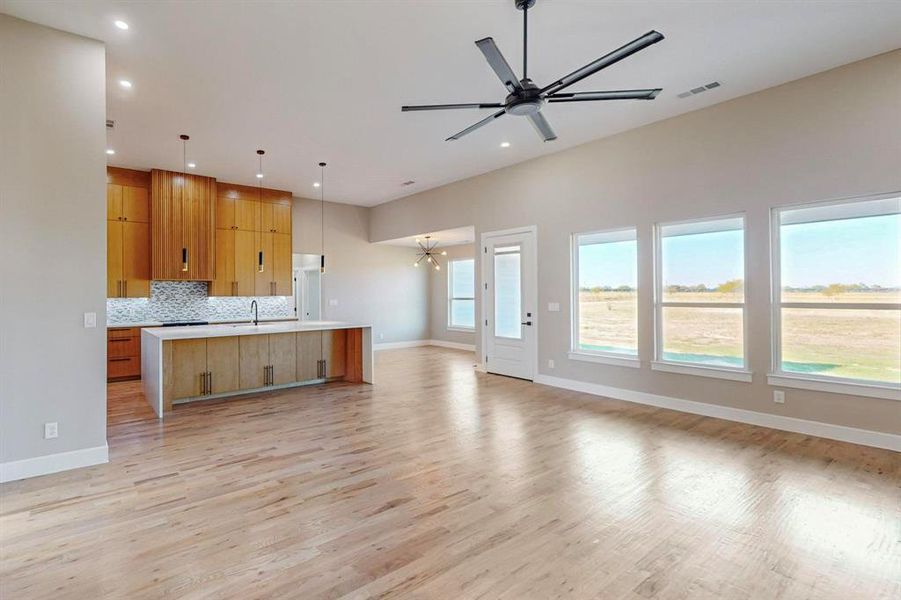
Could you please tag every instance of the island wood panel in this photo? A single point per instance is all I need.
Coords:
(309, 352)
(222, 364)
(183, 217)
(353, 366)
(187, 368)
(334, 344)
(254, 358)
(224, 283)
(283, 358)
(135, 249)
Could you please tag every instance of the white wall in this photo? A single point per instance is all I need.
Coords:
(835, 134)
(53, 243)
(372, 283)
(438, 299)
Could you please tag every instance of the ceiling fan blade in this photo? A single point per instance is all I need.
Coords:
(608, 95)
(543, 127)
(472, 128)
(499, 64)
(450, 106)
(648, 39)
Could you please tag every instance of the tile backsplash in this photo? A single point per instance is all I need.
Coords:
(188, 300)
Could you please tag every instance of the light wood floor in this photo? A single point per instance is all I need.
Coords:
(443, 483)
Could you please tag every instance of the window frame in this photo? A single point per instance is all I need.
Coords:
(778, 377)
(451, 297)
(599, 356)
(743, 373)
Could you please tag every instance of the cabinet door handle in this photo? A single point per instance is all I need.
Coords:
(209, 377)
(125, 288)
(120, 359)
(203, 384)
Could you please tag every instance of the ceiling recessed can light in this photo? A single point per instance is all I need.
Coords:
(125, 83)
(110, 151)
(259, 175)
(317, 184)
(505, 144)
(121, 25)
(192, 165)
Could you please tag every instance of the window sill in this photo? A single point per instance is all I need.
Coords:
(819, 384)
(715, 372)
(461, 329)
(604, 359)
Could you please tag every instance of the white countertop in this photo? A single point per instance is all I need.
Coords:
(128, 324)
(207, 331)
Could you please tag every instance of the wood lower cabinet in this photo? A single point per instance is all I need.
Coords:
(334, 344)
(123, 353)
(222, 362)
(282, 358)
(309, 353)
(254, 366)
(203, 367)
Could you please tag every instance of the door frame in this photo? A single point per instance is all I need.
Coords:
(531, 292)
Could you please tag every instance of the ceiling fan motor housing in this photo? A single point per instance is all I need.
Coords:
(527, 101)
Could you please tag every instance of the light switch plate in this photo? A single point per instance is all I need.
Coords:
(51, 430)
(90, 320)
(778, 396)
(553, 307)
(333, 302)
(550, 363)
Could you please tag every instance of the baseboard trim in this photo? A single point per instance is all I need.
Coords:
(419, 343)
(53, 463)
(864, 437)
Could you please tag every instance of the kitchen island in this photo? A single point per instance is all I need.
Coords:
(184, 364)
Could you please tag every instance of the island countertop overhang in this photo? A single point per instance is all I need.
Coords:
(239, 329)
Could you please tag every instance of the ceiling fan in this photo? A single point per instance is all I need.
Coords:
(526, 99)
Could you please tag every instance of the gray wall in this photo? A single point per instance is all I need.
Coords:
(372, 283)
(438, 299)
(52, 239)
(835, 134)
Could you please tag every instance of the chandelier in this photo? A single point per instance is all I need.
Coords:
(428, 252)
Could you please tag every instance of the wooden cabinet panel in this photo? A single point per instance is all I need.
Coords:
(283, 357)
(121, 347)
(222, 363)
(113, 202)
(188, 368)
(334, 351)
(123, 367)
(254, 358)
(135, 204)
(123, 353)
(136, 259)
(263, 278)
(309, 351)
(282, 271)
(281, 218)
(224, 283)
(245, 263)
(225, 210)
(183, 214)
(113, 259)
(247, 214)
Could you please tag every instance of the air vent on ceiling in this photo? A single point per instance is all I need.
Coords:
(409, 182)
(700, 89)
(110, 124)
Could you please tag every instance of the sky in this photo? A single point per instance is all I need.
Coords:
(864, 250)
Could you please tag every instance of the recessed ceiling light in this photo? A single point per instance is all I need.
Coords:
(121, 24)
(192, 165)
(125, 83)
(505, 144)
(110, 151)
(259, 175)
(316, 184)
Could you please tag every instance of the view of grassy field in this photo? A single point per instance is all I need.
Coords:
(864, 344)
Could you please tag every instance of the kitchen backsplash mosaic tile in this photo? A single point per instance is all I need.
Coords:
(188, 301)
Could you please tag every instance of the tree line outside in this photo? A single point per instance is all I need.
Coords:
(734, 286)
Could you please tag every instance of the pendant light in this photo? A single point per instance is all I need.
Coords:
(429, 253)
(184, 182)
(322, 216)
(260, 259)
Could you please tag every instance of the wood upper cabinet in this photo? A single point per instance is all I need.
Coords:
(276, 216)
(224, 283)
(128, 233)
(183, 216)
(282, 269)
(264, 264)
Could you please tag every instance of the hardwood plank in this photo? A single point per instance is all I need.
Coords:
(440, 482)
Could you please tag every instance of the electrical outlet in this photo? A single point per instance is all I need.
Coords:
(90, 320)
(51, 430)
(553, 307)
(778, 396)
(550, 363)
(381, 336)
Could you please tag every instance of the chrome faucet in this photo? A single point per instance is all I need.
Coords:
(256, 316)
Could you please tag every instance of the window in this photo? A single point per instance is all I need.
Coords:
(837, 292)
(700, 298)
(461, 313)
(605, 295)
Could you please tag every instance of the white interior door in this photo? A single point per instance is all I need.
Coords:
(509, 306)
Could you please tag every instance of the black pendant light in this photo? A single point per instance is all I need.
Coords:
(322, 215)
(184, 182)
(261, 265)
(429, 252)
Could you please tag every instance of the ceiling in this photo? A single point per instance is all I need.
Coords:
(443, 238)
(324, 80)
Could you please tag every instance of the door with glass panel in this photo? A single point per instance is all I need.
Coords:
(510, 303)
